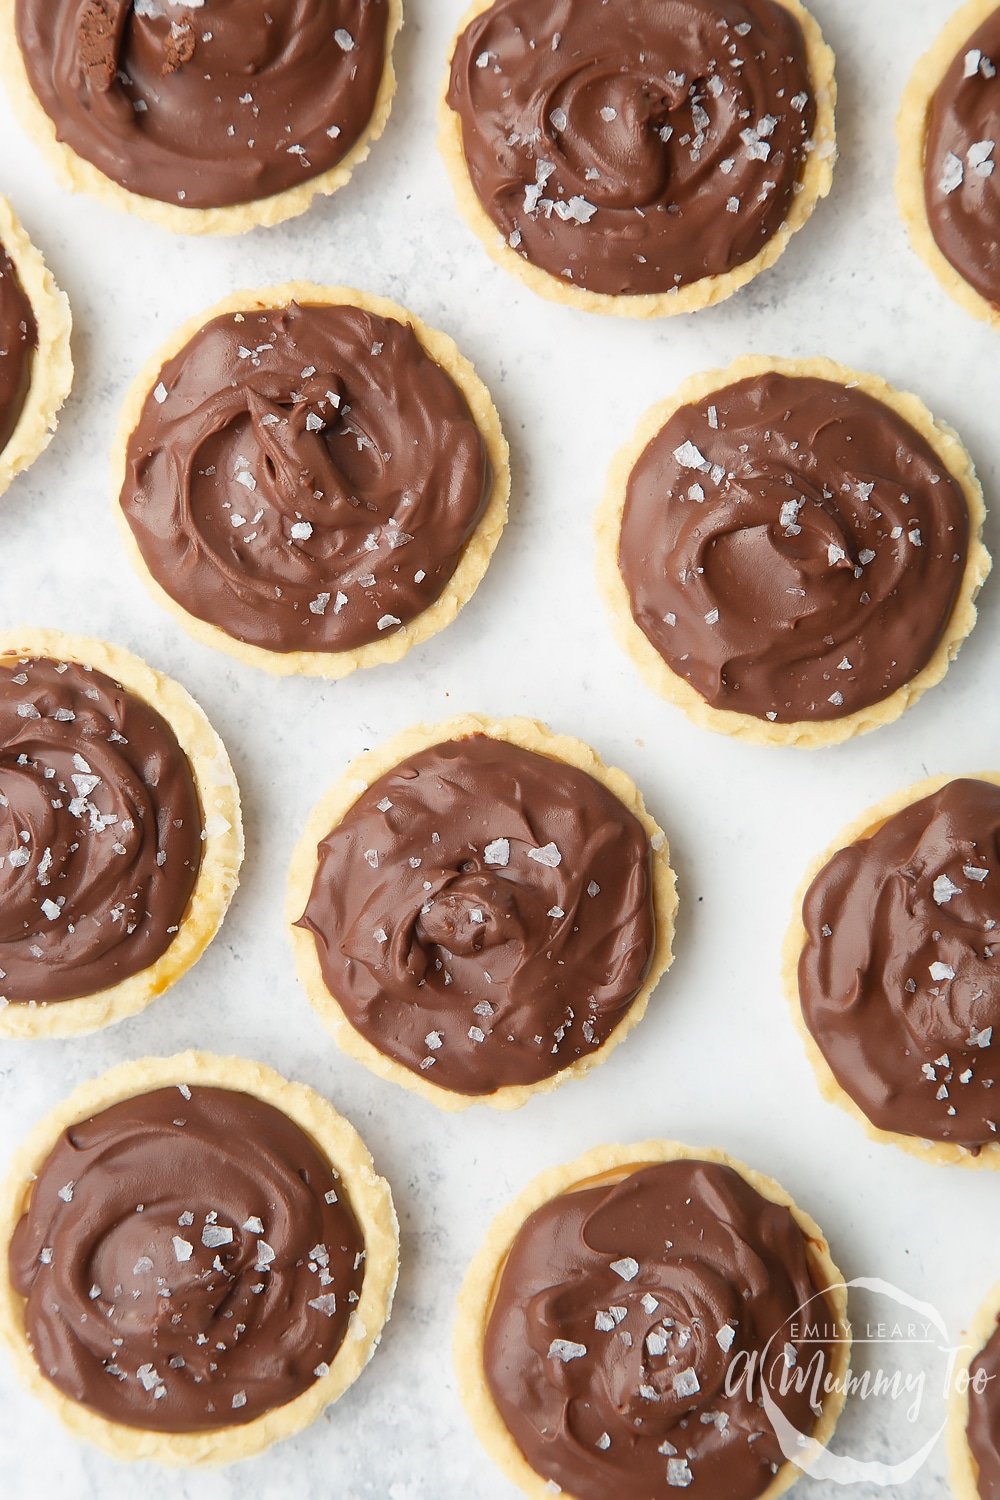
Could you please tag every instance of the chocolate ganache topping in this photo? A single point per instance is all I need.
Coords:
(188, 1261)
(100, 832)
(792, 547)
(900, 973)
(206, 106)
(634, 1324)
(305, 478)
(961, 180)
(983, 1430)
(484, 914)
(18, 342)
(636, 147)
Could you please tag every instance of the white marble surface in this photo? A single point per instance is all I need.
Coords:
(716, 1060)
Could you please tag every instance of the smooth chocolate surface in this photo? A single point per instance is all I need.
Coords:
(636, 147)
(305, 478)
(900, 973)
(206, 105)
(635, 1323)
(962, 161)
(100, 832)
(984, 1417)
(792, 548)
(189, 1260)
(18, 343)
(484, 914)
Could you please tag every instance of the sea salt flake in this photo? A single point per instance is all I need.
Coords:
(433, 1040)
(724, 1337)
(387, 621)
(686, 1383)
(214, 1235)
(326, 1304)
(978, 157)
(691, 457)
(939, 971)
(343, 39)
(952, 173)
(974, 872)
(678, 1473)
(183, 1249)
(626, 1268)
(547, 855)
(944, 889)
(497, 853)
(318, 605)
(301, 531)
(160, 393)
(565, 1350)
(603, 1442)
(66, 1192)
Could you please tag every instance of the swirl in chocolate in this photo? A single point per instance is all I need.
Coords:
(899, 976)
(305, 478)
(188, 1261)
(18, 342)
(634, 1324)
(792, 548)
(100, 832)
(206, 106)
(962, 161)
(484, 914)
(637, 147)
(983, 1429)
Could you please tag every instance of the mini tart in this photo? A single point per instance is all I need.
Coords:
(51, 367)
(939, 895)
(363, 1205)
(929, 167)
(754, 391)
(968, 1451)
(373, 602)
(631, 132)
(471, 900)
(206, 781)
(586, 1311)
(158, 57)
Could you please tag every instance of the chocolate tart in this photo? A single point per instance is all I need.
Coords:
(204, 124)
(201, 1183)
(948, 177)
(481, 910)
(36, 368)
(685, 148)
(591, 1369)
(311, 479)
(891, 973)
(791, 550)
(121, 834)
(974, 1408)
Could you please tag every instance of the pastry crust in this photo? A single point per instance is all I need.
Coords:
(942, 1152)
(911, 137)
(807, 734)
(478, 549)
(222, 852)
(76, 174)
(813, 184)
(611, 1163)
(529, 734)
(964, 1471)
(52, 365)
(370, 1199)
